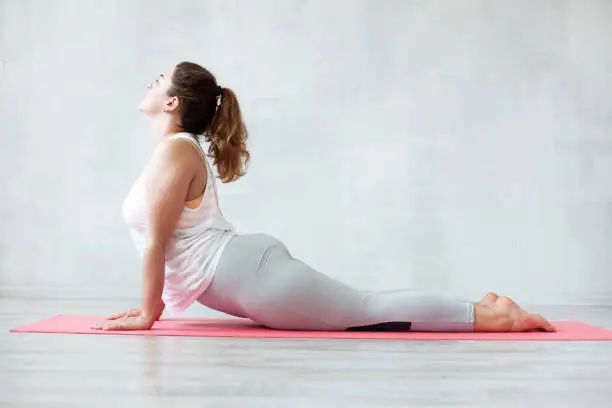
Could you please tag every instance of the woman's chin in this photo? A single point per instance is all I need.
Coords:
(146, 110)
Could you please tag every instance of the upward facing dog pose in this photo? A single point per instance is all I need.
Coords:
(191, 253)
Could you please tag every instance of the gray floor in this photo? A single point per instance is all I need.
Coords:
(50, 370)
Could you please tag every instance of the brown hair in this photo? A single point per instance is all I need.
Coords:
(211, 110)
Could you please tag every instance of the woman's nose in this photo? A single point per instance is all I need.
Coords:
(149, 86)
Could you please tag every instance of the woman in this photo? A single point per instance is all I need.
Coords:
(191, 252)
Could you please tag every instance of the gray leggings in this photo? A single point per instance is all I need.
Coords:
(258, 278)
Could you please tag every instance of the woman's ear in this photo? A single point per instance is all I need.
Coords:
(171, 104)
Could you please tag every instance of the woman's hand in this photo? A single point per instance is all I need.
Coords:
(138, 312)
(129, 313)
(125, 323)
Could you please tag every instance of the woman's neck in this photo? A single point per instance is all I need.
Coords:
(164, 126)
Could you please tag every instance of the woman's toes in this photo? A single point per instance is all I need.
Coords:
(541, 323)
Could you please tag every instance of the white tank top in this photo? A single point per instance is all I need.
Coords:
(193, 253)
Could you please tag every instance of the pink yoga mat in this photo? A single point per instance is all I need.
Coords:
(233, 327)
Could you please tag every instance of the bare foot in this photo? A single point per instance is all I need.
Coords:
(489, 299)
(504, 315)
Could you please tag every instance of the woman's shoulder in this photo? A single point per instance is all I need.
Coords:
(176, 154)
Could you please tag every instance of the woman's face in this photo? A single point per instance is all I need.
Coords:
(156, 99)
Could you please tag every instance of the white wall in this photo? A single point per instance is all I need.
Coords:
(459, 146)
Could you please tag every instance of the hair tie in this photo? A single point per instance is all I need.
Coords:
(219, 96)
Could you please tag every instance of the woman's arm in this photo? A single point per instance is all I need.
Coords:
(167, 181)
(160, 311)
(166, 187)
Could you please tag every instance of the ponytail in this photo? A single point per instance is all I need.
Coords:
(227, 138)
(211, 110)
